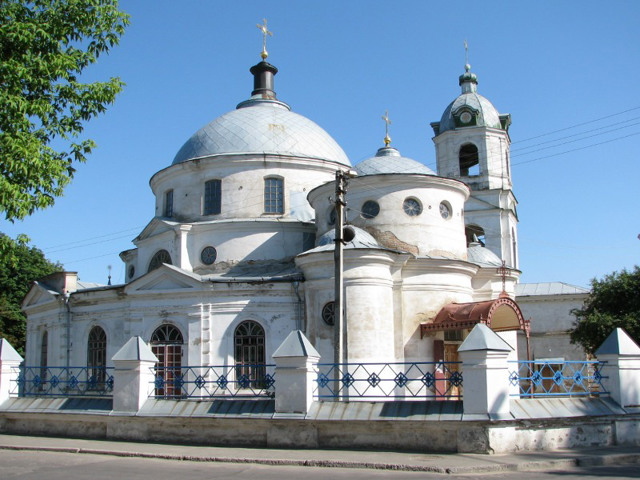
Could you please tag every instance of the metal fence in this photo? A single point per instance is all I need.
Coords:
(64, 382)
(220, 381)
(424, 380)
(550, 378)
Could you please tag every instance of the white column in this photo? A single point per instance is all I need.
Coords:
(621, 371)
(295, 375)
(133, 377)
(485, 373)
(10, 360)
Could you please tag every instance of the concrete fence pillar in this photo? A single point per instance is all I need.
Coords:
(296, 362)
(621, 372)
(133, 377)
(10, 360)
(485, 373)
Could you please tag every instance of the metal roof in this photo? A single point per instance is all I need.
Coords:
(548, 288)
(389, 160)
(267, 127)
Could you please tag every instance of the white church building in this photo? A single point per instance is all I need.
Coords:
(240, 251)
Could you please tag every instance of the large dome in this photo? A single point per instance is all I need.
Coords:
(262, 127)
(389, 160)
(262, 124)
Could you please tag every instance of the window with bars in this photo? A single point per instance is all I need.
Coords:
(212, 197)
(273, 195)
(168, 204)
(166, 344)
(160, 257)
(97, 357)
(249, 353)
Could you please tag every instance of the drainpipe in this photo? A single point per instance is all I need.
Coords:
(296, 287)
(66, 298)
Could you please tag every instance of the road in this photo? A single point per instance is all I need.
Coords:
(36, 465)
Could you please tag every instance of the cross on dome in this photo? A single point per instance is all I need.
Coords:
(387, 121)
(265, 31)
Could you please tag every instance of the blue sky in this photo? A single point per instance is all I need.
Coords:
(566, 71)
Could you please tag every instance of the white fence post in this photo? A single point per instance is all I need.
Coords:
(621, 372)
(485, 372)
(10, 360)
(133, 376)
(296, 361)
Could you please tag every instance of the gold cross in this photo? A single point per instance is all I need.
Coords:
(265, 32)
(387, 121)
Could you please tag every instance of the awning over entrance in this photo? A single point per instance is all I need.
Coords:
(500, 314)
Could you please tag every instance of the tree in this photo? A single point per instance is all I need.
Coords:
(613, 302)
(17, 273)
(44, 47)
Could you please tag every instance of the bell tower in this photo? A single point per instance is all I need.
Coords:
(472, 145)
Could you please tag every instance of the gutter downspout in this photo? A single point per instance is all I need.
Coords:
(66, 298)
(296, 287)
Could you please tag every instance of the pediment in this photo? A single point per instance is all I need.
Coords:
(38, 295)
(155, 227)
(164, 278)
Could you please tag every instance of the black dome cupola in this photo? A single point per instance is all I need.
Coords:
(263, 74)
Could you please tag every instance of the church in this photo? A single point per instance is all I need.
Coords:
(242, 248)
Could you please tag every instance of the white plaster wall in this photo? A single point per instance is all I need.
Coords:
(551, 321)
(493, 148)
(424, 234)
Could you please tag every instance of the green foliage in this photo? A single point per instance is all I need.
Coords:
(44, 47)
(614, 302)
(19, 267)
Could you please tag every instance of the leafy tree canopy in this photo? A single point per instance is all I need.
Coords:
(18, 270)
(613, 302)
(44, 47)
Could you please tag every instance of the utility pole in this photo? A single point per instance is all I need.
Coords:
(339, 327)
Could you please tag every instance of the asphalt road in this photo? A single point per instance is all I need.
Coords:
(30, 465)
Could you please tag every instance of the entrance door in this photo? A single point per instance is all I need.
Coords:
(166, 344)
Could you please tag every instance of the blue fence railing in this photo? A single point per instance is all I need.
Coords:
(214, 381)
(64, 382)
(423, 380)
(548, 378)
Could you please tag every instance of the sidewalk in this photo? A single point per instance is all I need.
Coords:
(439, 463)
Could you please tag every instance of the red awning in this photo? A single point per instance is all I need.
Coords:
(500, 314)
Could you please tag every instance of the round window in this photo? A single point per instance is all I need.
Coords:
(329, 313)
(370, 209)
(208, 255)
(412, 207)
(445, 210)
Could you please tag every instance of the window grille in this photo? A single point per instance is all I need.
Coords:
(168, 204)
(166, 344)
(158, 259)
(249, 354)
(273, 195)
(212, 197)
(97, 356)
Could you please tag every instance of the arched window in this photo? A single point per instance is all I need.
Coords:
(44, 353)
(475, 234)
(249, 354)
(166, 344)
(158, 259)
(273, 195)
(469, 161)
(96, 358)
(212, 197)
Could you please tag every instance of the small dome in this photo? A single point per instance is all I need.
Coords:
(389, 160)
(482, 256)
(362, 239)
(262, 124)
(481, 111)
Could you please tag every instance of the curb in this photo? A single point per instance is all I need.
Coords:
(576, 461)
